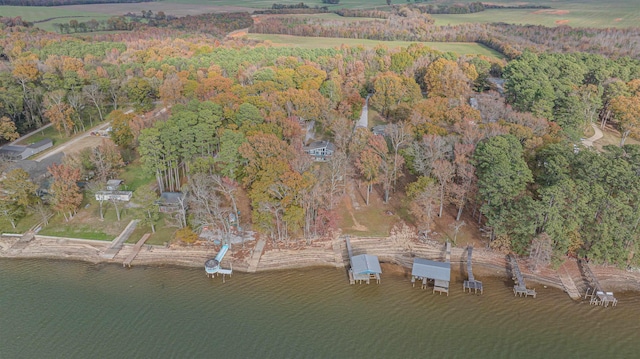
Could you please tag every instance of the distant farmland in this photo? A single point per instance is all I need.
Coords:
(576, 13)
(461, 48)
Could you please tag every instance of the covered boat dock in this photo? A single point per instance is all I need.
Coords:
(439, 272)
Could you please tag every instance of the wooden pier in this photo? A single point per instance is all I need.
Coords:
(136, 250)
(471, 283)
(595, 293)
(520, 289)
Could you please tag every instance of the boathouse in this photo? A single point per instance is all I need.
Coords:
(364, 267)
(439, 272)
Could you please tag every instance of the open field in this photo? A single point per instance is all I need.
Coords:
(462, 48)
(577, 13)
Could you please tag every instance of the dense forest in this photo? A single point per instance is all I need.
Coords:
(236, 112)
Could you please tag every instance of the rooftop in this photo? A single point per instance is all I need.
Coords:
(365, 264)
(431, 269)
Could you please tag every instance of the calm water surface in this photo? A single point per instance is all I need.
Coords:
(52, 309)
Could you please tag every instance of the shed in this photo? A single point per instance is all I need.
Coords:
(170, 202)
(440, 272)
(114, 184)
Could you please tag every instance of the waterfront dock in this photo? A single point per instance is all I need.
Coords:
(520, 289)
(471, 283)
(364, 267)
(595, 293)
(136, 250)
(440, 272)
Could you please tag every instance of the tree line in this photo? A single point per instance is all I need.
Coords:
(235, 119)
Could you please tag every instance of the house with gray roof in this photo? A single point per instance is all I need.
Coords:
(19, 152)
(321, 151)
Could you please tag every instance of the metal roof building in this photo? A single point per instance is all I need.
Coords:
(365, 264)
(440, 272)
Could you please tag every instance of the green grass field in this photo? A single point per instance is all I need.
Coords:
(35, 13)
(461, 48)
(577, 13)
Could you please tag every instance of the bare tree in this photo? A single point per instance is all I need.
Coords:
(42, 211)
(116, 204)
(399, 134)
(205, 204)
(540, 251)
(443, 170)
(456, 226)
(94, 94)
(334, 176)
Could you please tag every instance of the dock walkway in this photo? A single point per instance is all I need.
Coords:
(595, 293)
(568, 282)
(117, 243)
(520, 288)
(136, 250)
(471, 283)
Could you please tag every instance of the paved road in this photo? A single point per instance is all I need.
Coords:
(364, 117)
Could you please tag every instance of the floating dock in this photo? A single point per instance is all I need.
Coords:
(595, 293)
(471, 283)
(212, 266)
(520, 289)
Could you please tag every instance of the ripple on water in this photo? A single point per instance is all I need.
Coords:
(79, 310)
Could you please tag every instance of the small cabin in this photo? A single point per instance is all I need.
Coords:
(114, 184)
(170, 202)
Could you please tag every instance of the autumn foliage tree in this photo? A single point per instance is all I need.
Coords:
(66, 193)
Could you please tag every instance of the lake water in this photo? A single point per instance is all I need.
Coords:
(56, 309)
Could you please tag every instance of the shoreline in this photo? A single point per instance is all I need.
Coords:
(397, 251)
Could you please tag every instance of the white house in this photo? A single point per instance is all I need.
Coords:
(124, 196)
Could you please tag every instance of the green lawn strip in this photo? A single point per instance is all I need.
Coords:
(134, 176)
(49, 132)
(59, 228)
(35, 13)
(50, 25)
(462, 48)
(23, 224)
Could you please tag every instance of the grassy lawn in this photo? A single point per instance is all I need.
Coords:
(462, 48)
(162, 235)
(49, 132)
(134, 176)
(23, 225)
(87, 223)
